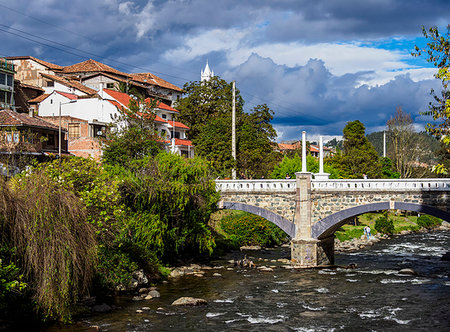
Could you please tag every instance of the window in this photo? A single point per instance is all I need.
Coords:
(177, 134)
(49, 83)
(16, 137)
(164, 116)
(9, 137)
(9, 80)
(74, 130)
(51, 101)
(2, 79)
(50, 140)
(110, 85)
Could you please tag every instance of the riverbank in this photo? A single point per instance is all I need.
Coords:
(362, 242)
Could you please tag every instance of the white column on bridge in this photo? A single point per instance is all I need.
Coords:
(321, 175)
(304, 152)
(320, 154)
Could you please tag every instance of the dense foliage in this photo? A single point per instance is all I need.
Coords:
(427, 221)
(384, 224)
(132, 134)
(169, 200)
(249, 229)
(289, 166)
(206, 109)
(437, 52)
(46, 223)
(359, 156)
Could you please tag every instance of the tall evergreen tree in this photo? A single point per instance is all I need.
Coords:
(358, 157)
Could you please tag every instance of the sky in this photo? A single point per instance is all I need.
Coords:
(317, 64)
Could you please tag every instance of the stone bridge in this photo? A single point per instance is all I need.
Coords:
(310, 211)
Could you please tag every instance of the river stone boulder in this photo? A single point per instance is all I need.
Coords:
(250, 248)
(140, 277)
(154, 293)
(186, 300)
(445, 224)
(407, 271)
(101, 308)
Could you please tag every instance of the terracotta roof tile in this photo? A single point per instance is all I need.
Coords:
(177, 125)
(42, 62)
(10, 118)
(92, 66)
(38, 99)
(71, 83)
(184, 142)
(121, 97)
(71, 96)
(152, 79)
(162, 105)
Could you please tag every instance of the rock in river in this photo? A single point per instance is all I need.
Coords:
(189, 301)
(407, 271)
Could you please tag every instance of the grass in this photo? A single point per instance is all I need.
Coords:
(401, 223)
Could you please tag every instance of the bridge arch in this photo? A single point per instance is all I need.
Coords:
(328, 225)
(285, 224)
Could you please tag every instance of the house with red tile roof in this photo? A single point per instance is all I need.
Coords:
(29, 69)
(24, 137)
(94, 75)
(297, 146)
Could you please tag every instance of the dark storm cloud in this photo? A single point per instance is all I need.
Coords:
(138, 33)
(310, 97)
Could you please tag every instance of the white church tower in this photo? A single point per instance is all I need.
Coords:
(207, 73)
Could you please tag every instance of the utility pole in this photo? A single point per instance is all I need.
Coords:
(384, 143)
(233, 130)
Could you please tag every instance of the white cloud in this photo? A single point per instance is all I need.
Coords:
(381, 65)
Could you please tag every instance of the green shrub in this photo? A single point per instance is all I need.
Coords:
(427, 221)
(384, 225)
(55, 245)
(169, 200)
(249, 229)
(11, 283)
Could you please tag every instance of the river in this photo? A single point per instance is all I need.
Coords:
(371, 297)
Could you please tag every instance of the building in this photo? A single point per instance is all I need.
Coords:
(86, 97)
(23, 138)
(6, 83)
(206, 74)
(93, 74)
(29, 69)
(297, 146)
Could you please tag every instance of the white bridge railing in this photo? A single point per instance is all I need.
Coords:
(271, 185)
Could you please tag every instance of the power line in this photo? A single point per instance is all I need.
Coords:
(119, 62)
(76, 49)
(44, 22)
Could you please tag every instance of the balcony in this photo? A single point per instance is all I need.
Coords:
(7, 65)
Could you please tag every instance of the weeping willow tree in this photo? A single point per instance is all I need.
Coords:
(55, 246)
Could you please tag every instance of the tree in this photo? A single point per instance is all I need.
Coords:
(438, 53)
(132, 134)
(405, 145)
(255, 148)
(206, 109)
(359, 156)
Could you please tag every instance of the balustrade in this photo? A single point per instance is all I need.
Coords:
(272, 185)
